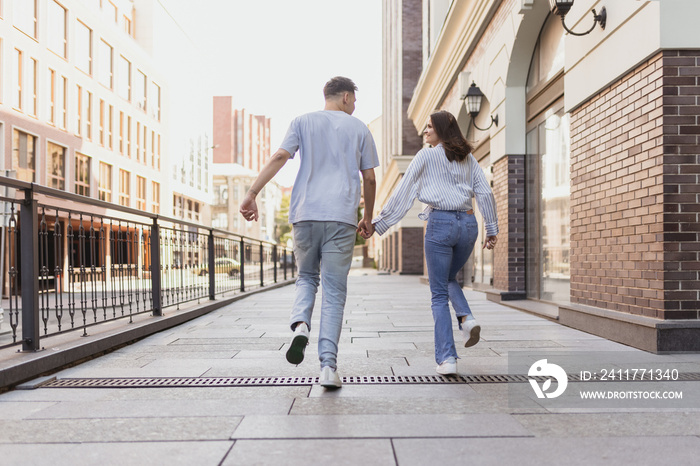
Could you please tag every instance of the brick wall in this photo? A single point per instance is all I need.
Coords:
(411, 247)
(617, 199)
(681, 176)
(509, 255)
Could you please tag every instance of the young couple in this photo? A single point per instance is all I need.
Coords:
(333, 146)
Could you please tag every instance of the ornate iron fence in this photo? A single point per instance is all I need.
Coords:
(68, 262)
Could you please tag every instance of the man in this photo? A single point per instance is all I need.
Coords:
(333, 147)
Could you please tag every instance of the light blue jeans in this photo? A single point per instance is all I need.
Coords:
(323, 248)
(449, 241)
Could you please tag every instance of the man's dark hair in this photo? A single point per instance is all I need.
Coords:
(338, 85)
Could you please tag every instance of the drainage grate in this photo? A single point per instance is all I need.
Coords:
(155, 382)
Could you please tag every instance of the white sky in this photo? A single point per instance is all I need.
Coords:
(274, 56)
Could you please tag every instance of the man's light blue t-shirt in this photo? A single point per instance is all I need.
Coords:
(333, 148)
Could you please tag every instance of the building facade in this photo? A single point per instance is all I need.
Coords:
(81, 103)
(594, 157)
(241, 149)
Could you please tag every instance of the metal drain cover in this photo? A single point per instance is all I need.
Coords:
(155, 382)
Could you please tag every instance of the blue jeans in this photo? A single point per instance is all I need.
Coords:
(323, 248)
(449, 241)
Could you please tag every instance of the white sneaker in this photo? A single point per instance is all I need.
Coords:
(448, 367)
(471, 331)
(295, 353)
(329, 378)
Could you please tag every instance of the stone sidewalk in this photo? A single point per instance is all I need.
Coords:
(387, 332)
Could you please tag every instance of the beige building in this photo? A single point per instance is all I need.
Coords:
(592, 143)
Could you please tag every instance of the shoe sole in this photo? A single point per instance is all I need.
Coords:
(295, 353)
(474, 336)
(447, 372)
(331, 384)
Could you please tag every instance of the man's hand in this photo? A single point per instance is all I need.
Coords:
(365, 228)
(490, 242)
(249, 208)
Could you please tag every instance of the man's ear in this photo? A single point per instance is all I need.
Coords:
(346, 98)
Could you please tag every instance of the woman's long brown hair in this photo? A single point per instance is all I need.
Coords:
(447, 130)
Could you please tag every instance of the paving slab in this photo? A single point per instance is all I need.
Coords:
(305, 452)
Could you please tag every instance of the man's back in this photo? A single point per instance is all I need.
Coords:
(333, 148)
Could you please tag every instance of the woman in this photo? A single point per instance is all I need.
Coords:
(446, 177)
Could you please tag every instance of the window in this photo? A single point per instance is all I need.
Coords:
(23, 155)
(157, 166)
(83, 48)
(128, 136)
(24, 17)
(52, 96)
(121, 133)
(124, 78)
(63, 103)
(138, 141)
(88, 115)
(155, 100)
(18, 77)
(82, 174)
(220, 220)
(105, 65)
(78, 110)
(110, 126)
(144, 145)
(127, 25)
(141, 193)
(140, 90)
(104, 190)
(124, 187)
(114, 13)
(56, 24)
(153, 149)
(33, 82)
(155, 199)
(102, 123)
(56, 166)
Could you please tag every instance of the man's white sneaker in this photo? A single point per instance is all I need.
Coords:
(471, 331)
(295, 353)
(448, 367)
(329, 378)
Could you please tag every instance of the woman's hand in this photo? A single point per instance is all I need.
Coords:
(490, 242)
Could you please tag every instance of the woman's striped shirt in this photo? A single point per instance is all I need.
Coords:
(443, 185)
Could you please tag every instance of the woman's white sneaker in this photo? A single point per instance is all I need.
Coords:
(448, 367)
(329, 378)
(471, 331)
(295, 353)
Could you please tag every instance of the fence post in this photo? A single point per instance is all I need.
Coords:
(241, 251)
(156, 285)
(212, 267)
(262, 266)
(274, 260)
(29, 260)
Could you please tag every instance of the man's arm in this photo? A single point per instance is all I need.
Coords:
(249, 209)
(369, 183)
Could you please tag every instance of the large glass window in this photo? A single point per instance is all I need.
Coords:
(141, 193)
(57, 37)
(83, 47)
(24, 16)
(56, 166)
(33, 90)
(124, 78)
(105, 68)
(104, 190)
(548, 171)
(140, 89)
(155, 197)
(24, 155)
(18, 78)
(78, 110)
(154, 92)
(124, 188)
(82, 174)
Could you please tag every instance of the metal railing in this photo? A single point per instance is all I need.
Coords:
(68, 262)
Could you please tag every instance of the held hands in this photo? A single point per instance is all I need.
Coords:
(365, 228)
(249, 208)
(490, 242)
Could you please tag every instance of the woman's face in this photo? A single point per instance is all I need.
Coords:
(429, 134)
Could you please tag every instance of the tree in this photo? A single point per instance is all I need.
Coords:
(283, 230)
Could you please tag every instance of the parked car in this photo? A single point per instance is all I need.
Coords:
(223, 265)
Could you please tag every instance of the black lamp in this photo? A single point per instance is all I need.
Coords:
(562, 7)
(474, 98)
